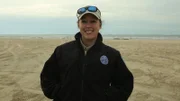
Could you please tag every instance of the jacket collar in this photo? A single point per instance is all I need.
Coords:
(78, 36)
(97, 43)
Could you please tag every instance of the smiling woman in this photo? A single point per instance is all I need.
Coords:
(86, 69)
(89, 27)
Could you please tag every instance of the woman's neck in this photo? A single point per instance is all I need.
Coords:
(88, 43)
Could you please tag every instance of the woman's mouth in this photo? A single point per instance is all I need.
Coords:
(89, 31)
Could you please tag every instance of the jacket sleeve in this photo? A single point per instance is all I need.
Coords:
(122, 82)
(49, 76)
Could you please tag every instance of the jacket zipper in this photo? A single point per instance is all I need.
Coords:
(82, 87)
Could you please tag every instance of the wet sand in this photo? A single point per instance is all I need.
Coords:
(155, 65)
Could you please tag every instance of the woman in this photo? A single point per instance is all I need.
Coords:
(86, 69)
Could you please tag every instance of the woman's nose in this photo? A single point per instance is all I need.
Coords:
(88, 24)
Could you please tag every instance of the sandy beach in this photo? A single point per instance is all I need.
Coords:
(155, 65)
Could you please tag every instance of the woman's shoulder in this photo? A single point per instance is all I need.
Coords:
(110, 49)
(67, 44)
(112, 53)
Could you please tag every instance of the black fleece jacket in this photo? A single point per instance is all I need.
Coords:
(100, 75)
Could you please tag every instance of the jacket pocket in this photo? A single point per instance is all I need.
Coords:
(106, 95)
(60, 94)
(56, 90)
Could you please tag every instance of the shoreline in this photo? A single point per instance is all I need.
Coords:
(105, 36)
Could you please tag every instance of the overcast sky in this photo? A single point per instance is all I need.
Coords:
(119, 16)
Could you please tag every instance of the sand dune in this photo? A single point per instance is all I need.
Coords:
(154, 63)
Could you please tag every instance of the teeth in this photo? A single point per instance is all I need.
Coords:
(88, 32)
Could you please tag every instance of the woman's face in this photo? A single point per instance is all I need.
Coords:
(89, 27)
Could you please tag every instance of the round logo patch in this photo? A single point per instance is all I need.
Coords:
(104, 60)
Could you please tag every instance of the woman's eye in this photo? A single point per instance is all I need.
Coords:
(84, 21)
(93, 21)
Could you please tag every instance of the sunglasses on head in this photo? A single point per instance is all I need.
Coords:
(89, 8)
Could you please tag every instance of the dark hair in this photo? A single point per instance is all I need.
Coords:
(100, 22)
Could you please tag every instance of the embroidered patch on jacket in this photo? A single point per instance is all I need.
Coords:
(104, 60)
